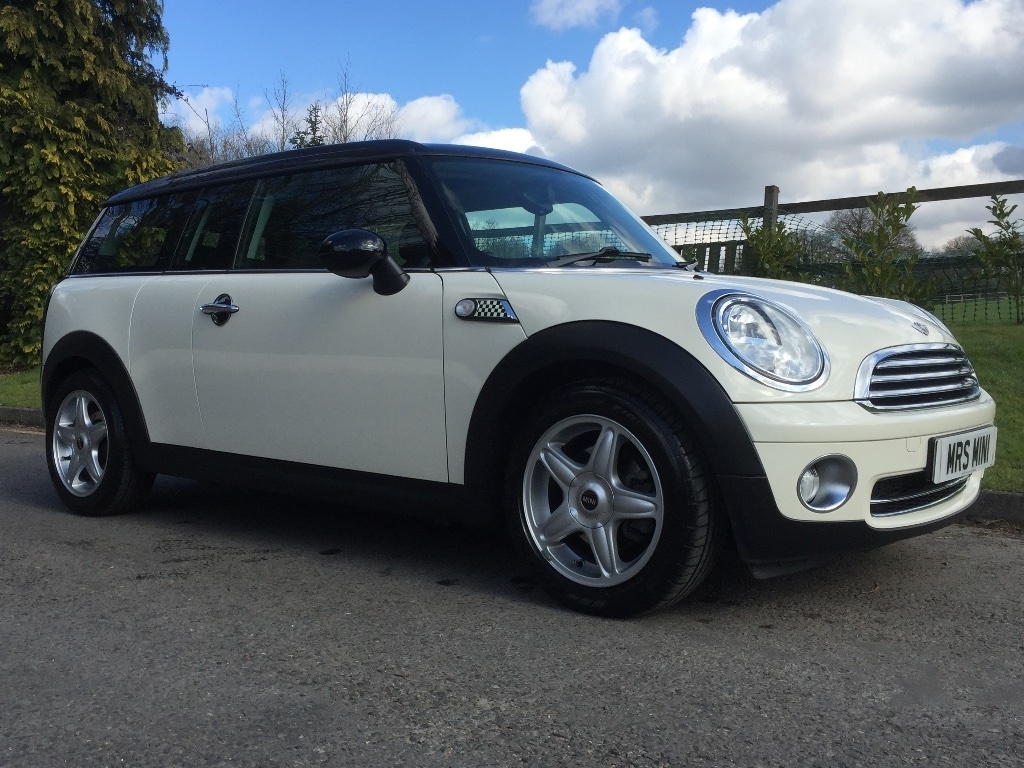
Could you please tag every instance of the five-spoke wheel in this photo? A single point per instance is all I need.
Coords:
(90, 461)
(592, 500)
(607, 494)
(79, 443)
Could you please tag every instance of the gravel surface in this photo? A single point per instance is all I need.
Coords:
(223, 628)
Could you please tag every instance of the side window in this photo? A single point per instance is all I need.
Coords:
(135, 237)
(292, 215)
(211, 235)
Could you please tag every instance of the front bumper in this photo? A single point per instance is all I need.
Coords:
(772, 525)
(771, 543)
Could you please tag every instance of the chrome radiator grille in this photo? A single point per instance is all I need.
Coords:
(916, 376)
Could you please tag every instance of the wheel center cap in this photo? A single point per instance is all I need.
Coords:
(590, 500)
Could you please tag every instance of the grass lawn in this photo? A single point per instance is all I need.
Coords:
(997, 350)
(996, 347)
(20, 389)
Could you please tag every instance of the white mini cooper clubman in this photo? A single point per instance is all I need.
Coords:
(460, 329)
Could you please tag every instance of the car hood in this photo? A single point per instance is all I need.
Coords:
(849, 327)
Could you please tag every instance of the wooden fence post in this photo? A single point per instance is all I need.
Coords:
(771, 208)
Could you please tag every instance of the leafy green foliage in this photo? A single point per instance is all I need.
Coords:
(1002, 253)
(776, 250)
(880, 267)
(78, 121)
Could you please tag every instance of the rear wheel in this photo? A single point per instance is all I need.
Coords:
(89, 458)
(607, 495)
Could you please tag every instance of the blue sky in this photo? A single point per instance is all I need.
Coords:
(479, 52)
(673, 105)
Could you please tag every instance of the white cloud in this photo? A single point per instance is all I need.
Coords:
(561, 14)
(194, 109)
(511, 139)
(647, 19)
(937, 222)
(441, 119)
(365, 110)
(433, 118)
(824, 98)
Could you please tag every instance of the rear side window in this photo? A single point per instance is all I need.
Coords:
(211, 235)
(135, 237)
(292, 215)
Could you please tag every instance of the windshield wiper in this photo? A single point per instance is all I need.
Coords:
(608, 253)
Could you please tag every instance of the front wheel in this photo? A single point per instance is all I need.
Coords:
(607, 495)
(88, 454)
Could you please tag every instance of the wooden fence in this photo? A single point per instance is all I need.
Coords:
(959, 278)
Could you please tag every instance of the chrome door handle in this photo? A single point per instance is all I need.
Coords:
(221, 310)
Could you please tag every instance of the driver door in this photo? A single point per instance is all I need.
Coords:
(315, 368)
(319, 369)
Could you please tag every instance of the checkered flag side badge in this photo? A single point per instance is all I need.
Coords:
(486, 310)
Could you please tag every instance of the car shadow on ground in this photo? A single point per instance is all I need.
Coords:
(482, 559)
(461, 557)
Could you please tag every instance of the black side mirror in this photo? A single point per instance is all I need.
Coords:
(358, 253)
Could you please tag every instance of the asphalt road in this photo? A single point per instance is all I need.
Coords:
(219, 628)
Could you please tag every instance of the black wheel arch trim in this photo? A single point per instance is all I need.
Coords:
(641, 353)
(84, 349)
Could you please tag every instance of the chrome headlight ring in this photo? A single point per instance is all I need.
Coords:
(763, 340)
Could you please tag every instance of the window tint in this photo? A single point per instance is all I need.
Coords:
(512, 233)
(292, 215)
(135, 237)
(211, 235)
(517, 214)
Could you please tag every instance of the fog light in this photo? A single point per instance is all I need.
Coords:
(827, 483)
(809, 484)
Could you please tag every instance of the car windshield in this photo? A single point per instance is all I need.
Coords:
(518, 215)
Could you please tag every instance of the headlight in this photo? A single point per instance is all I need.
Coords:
(763, 340)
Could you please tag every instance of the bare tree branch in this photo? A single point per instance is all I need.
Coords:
(858, 223)
(285, 123)
(358, 116)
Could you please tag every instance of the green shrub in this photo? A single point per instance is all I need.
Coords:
(1002, 253)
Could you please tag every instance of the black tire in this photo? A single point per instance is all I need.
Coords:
(608, 498)
(87, 449)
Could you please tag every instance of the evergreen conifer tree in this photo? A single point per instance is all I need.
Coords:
(79, 95)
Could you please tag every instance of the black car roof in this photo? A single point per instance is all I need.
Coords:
(312, 157)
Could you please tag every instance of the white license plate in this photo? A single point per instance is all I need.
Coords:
(959, 455)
